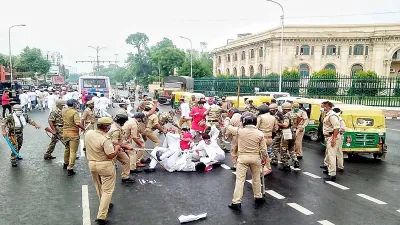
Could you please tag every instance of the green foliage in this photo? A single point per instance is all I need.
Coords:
(4, 60)
(323, 83)
(166, 56)
(397, 88)
(31, 60)
(139, 41)
(365, 83)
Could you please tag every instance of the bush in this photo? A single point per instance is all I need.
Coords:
(323, 83)
(365, 83)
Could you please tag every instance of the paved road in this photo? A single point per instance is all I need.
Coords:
(40, 192)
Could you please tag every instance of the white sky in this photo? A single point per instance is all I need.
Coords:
(69, 26)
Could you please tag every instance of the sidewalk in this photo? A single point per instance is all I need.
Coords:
(392, 114)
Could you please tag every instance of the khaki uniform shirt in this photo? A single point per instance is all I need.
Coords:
(331, 122)
(116, 133)
(131, 130)
(152, 121)
(342, 125)
(226, 105)
(251, 108)
(122, 111)
(98, 146)
(234, 122)
(251, 140)
(302, 118)
(213, 113)
(70, 117)
(88, 116)
(267, 124)
(192, 104)
(56, 117)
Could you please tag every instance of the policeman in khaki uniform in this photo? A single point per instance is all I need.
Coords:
(287, 145)
(251, 147)
(193, 102)
(302, 121)
(15, 124)
(71, 135)
(225, 104)
(117, 138)
(131, 133)
(152, 123)
(56, 124)
(100, 154)
(277, 135)
(88, 116)
(267, 124)
(234, 121)
(341, 135)
(331, 131)
(249, 107)
(213, 115)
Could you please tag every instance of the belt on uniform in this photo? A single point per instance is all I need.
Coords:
(268, 136)
(71, 131)
(213, 121)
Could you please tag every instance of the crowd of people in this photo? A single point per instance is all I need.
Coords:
(259, 137)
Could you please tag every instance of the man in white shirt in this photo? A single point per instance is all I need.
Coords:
(103, 104)
(185, 110)
(32, 99)
(209, 103)
(24, 101)
(75, 95)
(95, 100)
(51, 100)
(45, 94)
(208, 149)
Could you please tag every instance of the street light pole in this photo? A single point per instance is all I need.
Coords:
(281, 58)
(9, 48)
(98, 48)
(191, 55)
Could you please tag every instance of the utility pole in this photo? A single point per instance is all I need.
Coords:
(97, 61)
(116, 58)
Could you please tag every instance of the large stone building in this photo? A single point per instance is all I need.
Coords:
(343, 48)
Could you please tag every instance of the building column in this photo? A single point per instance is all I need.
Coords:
(215, 65)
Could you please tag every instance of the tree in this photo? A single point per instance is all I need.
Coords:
(31, 60)
(365, 83)
(202, 65)
(139, 41)
(166, 56)
(323, 83)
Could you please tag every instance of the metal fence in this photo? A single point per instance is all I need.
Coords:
(381, 91)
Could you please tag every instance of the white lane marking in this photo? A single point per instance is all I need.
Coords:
(85, 205)
(398, 210)
(295, 169)
(81, 145)
(312, 175)
(300, 209)
(377, 201)
(274, 194)
(337, 185)
(234, 173)
(325, 222)
(250, 181)
(393, 129)
(225, 167)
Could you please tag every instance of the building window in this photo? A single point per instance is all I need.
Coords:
(234, 71)
(235, 57)
(252, 53)
(305, 50)
(396, 55)
(243, 71)
(219, 59)
(330, 67)
(261, 52)
(219, 71)
(304, 70)
(312, 50)
(260, 69)
(297, 50)
(338, 50)
(228, 72)
(323, 50)
(358, 50)
(229, 57)
(251, 71)
(350, 50)
(243, 55)
(331, 50)
(355, 68)
(366, 50)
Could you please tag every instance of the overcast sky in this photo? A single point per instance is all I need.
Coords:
(69, 26)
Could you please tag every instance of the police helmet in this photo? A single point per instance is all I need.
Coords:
(120, 119)
(286, 105)
(263, 109)
(273, 106)
(234, 110)
(249, 119)
(17, 107)
(139, 115)
(71, 102)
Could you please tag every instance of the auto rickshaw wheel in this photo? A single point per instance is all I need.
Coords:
(313, 136)
(379, 156)
(350, 157)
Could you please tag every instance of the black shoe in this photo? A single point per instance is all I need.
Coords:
(71, 172)
(110, 206)
(14, 163)
(259, 201)
(48, 157)
(296, 164)
(323, 167)
(158, 156)
(285, 168)
(84, 149)
(274, 162)
(128, 180)
(65, 166)
(330, 178)
(76, 157)
(299, 157)
(136, 171)
(237, 206)
(148, 160)
(20, 158)
(149, 170)
(101, 222)
(233, 168)
(340, 170)
(226, 150)
(325, 171)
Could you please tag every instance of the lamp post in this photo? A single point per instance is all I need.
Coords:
(191, 55)
(281, 58)
(9, 47)
(98, 48)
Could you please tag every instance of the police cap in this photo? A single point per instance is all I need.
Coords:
(263, 109)
(17, 107)
(90, 102)
(286, 105)
(104, 121)
(273, 106)
(121, 119)
(60, 102)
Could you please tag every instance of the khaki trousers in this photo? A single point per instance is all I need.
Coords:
(133, 159)
(243, 163)
(71, 147)
(267, 165)
(125, 164)
(149, 134)
(332, 153)
(340, 159)
(299, 142)
(234, 145)
(187, 121)
(104, 176)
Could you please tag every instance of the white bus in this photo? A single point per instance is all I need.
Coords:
(95, 84)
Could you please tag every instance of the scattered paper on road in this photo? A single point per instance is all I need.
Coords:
(190, 218)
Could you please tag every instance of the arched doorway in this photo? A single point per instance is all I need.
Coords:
(234, 71)
(243, 71)
(219, 72)
(304, 70)
(330, 66)
(395, 66)
(260, 69)
(228, 72)
(251, 71)
(355, 68)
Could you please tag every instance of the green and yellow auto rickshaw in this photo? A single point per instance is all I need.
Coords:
(176, 95)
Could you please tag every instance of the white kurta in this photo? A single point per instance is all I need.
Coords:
(51, 101)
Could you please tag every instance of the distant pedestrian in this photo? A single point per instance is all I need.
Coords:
(5, 103)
